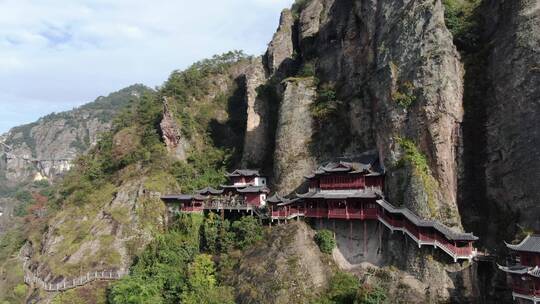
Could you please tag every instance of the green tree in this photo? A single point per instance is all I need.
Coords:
(325, 239)
(202, 284)
(342, 289)
(369, 294)
(217, 236)
(135, 290)
(248, 230)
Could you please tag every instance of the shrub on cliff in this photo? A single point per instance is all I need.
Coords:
(325, 239)
(248, 231)
(343, 288)
(370, 294)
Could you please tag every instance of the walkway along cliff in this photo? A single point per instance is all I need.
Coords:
(349, 191)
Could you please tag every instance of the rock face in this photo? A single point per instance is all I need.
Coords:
(281, 48)
(513, 124)
(286, 268)
(45, 149)
(392, 86)
(172, 135)
(395, 81)
(103, 235)
(257, 137)
(292, 158)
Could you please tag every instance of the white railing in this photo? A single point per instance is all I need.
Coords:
(68, 283)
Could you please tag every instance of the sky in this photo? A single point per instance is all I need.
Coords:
(56, 55)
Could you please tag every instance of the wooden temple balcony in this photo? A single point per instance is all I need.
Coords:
(524, 290)
(228, 204)
(528, 293)
(191, 209)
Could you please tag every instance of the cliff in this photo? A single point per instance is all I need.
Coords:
(446, 92)
(512, 125)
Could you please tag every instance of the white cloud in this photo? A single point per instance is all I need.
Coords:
(57, 53)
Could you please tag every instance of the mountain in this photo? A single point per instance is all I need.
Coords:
(46, 148)
(444, 92)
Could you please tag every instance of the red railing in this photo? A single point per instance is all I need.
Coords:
(293, 211)
(191, 209)
(525, 290)
(371, 213)
(426, 236)
(337, 213)
(355, 213)
(421, 234)
(316, 212)
(280, 213)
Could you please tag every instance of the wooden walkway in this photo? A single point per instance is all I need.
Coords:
(32, 279)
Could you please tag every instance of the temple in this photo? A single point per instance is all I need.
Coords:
(524, 271)
(246, 191)
(349, 190)
(354, 191)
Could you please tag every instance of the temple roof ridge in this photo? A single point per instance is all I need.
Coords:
(243, 172)
(253, 189)
(367, 162)
(210, 190)
(521, 269)
(531, 243)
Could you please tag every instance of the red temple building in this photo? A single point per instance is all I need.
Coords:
(351, 190)
(525, 271)
(247, 191)
(354, 191)
(184, 203)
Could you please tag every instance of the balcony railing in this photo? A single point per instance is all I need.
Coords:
(524, 290)
(191, 209)
(233, 203)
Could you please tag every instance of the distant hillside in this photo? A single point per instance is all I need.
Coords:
(45, 148)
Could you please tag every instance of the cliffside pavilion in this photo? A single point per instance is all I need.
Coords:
(345, 190)
(353, 191)
(246, 191)
(524, 272)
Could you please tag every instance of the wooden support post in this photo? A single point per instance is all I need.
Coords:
(380, 237)
(365, 238)
(222, 226)
(350, 235)
(334, 227)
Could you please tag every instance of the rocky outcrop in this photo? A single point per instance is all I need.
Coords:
(257, 136)
(293, 158)
(104, 235)
(287, 267)
(281, 49)
(171, 133)
(422, 64)
(513, 126)
(396, 80)
(45, 149)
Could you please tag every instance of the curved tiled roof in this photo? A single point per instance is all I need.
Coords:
(280, 201)
(210, 190)
(517, 269)
(530, 244)
(364, 163)
(520, 269)
(275, 199)
(253, 189)
(367, 193)
(243, 172)
(181, 197)
(184, 197)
